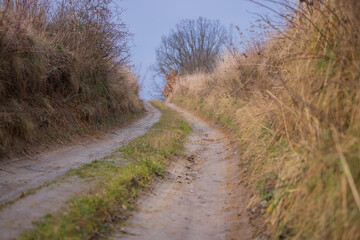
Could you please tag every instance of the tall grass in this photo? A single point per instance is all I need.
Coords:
(63, 66)
(293, 104)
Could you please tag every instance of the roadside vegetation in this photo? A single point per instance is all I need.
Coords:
(118, 179)
(292, 102)
(63, 71)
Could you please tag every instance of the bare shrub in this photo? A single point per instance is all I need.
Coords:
(172, 78)
(63, 66)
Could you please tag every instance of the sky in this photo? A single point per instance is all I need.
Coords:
(149, 20)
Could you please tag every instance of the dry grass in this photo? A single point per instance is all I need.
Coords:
(61, 72)
(294, 106)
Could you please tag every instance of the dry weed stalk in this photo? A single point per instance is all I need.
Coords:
(295, 110)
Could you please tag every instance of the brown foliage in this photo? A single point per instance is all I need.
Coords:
(172, 78)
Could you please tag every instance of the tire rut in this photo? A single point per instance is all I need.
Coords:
(22, 174)
(197, 199)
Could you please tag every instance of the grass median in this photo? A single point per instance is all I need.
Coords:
(118, 179)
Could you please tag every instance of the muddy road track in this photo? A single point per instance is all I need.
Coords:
(201, 197)
(19, 175)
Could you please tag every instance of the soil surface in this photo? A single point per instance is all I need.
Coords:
(22, 174)
(200, 199)
(19, 216)
(19, 175)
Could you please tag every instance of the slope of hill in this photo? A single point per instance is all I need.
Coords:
(293, 103)
(63, 71)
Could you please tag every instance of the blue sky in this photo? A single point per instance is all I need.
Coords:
(149, 20)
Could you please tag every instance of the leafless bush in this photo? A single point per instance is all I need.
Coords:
(93, 28)
(63, 64)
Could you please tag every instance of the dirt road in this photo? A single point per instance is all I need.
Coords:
(201, 198)
(20, 175)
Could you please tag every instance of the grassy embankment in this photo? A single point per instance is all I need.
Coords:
(63, 71)
(293, 104)
(117, 184)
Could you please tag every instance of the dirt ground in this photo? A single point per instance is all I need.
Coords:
(22, 174)
(201, 198)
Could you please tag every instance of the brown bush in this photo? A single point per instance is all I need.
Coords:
(171, 79)
(61, 72)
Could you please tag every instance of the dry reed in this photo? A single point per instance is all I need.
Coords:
(293, 103)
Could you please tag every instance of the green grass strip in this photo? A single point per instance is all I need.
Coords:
(117, 184)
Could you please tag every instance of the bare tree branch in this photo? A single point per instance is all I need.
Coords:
(192, 46)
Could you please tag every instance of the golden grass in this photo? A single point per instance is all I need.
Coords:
(294, 108)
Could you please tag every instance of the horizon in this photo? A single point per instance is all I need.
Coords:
(147, 38)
